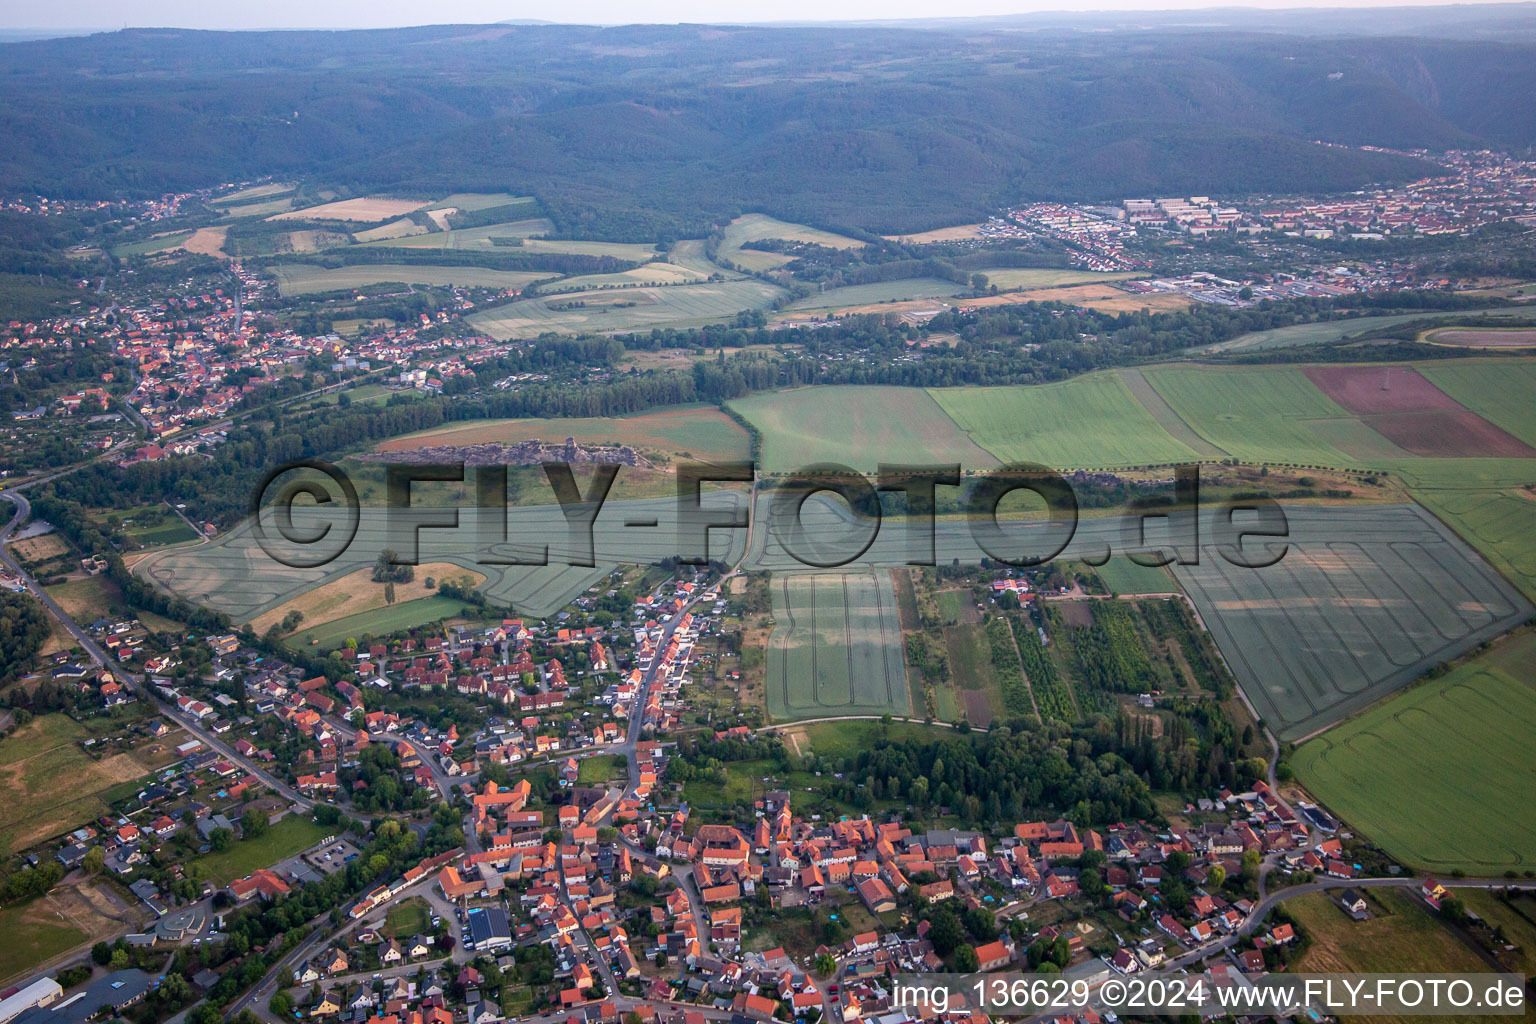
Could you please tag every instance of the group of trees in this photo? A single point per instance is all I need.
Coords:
(23, 631)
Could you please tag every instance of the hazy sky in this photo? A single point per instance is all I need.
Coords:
(227, 14)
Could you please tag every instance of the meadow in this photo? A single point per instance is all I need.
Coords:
(754, 227)
(836, 647)
(292, 835)
(1402, 937)
(51, 785)
(974, 683)
(626, 309)
(860, 426)
(1087, 422)
(1125, 577)
(1435, 775)
(305, 278)
(34, 933)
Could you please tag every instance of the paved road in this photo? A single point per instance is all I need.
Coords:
(103, 660)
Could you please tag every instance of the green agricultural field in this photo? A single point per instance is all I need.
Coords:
(1501, 525)
(1498, 390)
(1362, 602)
(1262, 414)
(1123, 576)
(304, 278)
(857, 425)
(146, 246)
(627, 309)
(1027, 278)
(836, 647)
(1087, 422)
(1436, 775)
(1143, 391)
(255, 192)
(883, 291)
(471, 238)
(292, 835)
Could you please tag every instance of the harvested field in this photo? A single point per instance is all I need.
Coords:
(357, 592)
(1484, 337)
(247, 195)
(655, 273)
(1101, 297)
(835, 647)
(701, 432)
(626, 309)
(362, 211)
(954, 234)
(207, 241)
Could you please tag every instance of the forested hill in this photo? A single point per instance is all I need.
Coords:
(654, 129)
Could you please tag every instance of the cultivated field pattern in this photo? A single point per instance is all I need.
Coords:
(836, 646)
